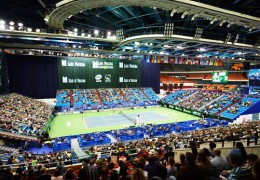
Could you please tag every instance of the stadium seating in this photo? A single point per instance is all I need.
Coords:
(151, 94)
(63, 98)
(23, 115)
(91, 99)
(239, 107)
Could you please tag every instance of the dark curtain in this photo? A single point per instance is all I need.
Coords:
(150, 75)
(33, 76)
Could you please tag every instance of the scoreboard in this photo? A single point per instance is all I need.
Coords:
(220, 77)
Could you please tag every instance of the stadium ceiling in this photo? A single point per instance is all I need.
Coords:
(227, 29)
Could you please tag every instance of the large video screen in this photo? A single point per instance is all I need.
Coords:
(254, 77)
(98, 73)
(220, 77)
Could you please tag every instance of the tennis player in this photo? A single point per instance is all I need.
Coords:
(138, 120)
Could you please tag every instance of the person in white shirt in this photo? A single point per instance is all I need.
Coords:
(138, 120)
(218, 163)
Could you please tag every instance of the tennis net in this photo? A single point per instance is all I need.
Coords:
(126, 116)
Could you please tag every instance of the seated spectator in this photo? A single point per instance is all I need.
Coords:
(190, 171)
(219, 163)
(251, 158)
(171, 169)
(137, 174)
(239, 169)
(44, 175)
(57, 175)
(204, 163)
(152, 167)
(240, 151)
(69, 175)
(256, 170)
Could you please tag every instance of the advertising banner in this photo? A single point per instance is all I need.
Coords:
(74, 73)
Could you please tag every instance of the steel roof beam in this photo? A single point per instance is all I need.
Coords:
(56, 17)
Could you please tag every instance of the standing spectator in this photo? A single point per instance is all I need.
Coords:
(219, 163)
(57, 175)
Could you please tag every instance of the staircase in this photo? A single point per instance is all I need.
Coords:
(122, 94)
(77, 149)
(145, 95)
(98, 94)
(222, 110)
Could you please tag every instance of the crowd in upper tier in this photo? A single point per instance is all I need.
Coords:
(225, 105)
(90, 99)
(23, 115)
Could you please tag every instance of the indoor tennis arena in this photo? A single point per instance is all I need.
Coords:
(129, 89)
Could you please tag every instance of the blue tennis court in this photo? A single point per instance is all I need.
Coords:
(116, 119)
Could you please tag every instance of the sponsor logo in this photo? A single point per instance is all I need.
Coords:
(63, 62)
(98, 78)
(102, 65)
(108, 78)
(123, 80)
(127, 66)
(121, 65)
(64, 79)
(171, 106)
(178, 108)
(196, 113)
(187, 111)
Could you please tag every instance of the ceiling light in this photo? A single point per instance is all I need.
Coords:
(213, 20)
(173, 12)
(75, 30)
(11, 28)
(2, 22)
(252, 28)
(89, 35)
(137, 43)
(29, 29)
(83, 34)
(184, 14)
(194, 16)
(229, 24)
(20, 24)
(2, 26)
(179, 47)
(222, 22)
(38, 30)
(109, 33)
(201, 49)
(11, 23)
(96, 32)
